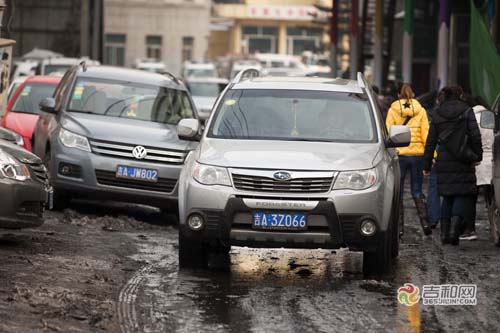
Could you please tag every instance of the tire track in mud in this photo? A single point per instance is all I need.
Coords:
(127, 314)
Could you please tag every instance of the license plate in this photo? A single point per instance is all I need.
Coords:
(279, 221)
(148, 175)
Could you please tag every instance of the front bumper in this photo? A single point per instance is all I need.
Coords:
(22, 204)
(96, 179)
(334, 219)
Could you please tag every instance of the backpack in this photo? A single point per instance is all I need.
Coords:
(456, 139)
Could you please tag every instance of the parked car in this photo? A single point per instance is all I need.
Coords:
(150, 65)
(240, 65)
(59, 66)
(281, 65)
(205, 92)
(23, 110)
(110, 133)
(194, 69)
(14, 85)
(24, 187)
(294, 163)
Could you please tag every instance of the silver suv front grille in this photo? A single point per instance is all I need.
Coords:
(301, 182)
(122, 150)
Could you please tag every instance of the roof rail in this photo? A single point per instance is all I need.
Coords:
(172, 76)
(84, 65)
(361, 80)
(246, 74)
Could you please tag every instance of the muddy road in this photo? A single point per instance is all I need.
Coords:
(114, 268)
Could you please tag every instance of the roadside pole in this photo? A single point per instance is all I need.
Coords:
(333, 38)
(407, 60)
(353, 45)
(377, 48)
(443, 44)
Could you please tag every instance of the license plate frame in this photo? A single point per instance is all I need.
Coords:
(137, 173)
(279, 221)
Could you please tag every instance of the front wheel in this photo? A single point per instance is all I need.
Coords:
(194, 254)
(61, 200)
(379, 263)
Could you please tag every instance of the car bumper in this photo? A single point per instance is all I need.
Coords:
(23, 204)
(334, 219)
(94, 178)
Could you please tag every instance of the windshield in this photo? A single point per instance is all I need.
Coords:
(206, 89)
(49, 69)
(32, 93)
(128, 100)
(197, 72)
(294, 115)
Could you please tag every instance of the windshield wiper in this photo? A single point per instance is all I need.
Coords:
(82, 111)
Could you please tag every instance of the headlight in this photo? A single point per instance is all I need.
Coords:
(355, 180)
(72, 140)
(19, 138)
(11, 168)
(211, 175)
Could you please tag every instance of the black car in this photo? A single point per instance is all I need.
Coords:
(24, 186)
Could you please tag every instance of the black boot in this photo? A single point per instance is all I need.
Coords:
(455, 225)
(445, 231)
(422, 214)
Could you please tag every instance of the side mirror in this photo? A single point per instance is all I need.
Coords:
(188, 129)
(399, 136)
(487, 120)
(48, 105)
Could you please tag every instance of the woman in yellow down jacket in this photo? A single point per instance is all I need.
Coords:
(408, 111)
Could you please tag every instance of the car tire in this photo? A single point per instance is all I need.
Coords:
(395, 232)
(379, 263)
(494, 217)
(60, 199)
(196, 255)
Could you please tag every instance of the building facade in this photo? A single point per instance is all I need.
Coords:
(279, 26)
(171, 31)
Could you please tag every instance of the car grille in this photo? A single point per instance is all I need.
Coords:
(125, 151)
(39, 172)
(298, 185)
(109, 178)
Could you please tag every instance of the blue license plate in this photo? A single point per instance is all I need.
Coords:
(279, 221)
(148, 175)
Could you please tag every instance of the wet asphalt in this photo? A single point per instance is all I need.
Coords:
(99, 267)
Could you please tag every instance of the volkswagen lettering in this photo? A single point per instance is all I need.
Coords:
(110, 133)
(292, 163)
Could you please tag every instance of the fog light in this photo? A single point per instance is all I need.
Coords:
(195, 222)
(368, 227)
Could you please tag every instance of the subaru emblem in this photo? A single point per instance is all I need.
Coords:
(282, 175)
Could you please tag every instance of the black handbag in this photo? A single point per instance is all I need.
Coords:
(456, 140)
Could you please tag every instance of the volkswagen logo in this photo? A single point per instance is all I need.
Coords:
(282, 175)
(139, 152)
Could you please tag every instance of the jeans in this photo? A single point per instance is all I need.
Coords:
(413, 164)
(459, 205)
(433, 199)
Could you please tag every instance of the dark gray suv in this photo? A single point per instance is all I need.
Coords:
(110, 133)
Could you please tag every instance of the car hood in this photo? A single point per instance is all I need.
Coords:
(22, 123)
(19, 153)
(204, 103)
(123, 130)
(287, 155)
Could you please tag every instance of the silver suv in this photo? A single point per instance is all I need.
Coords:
(294, 163)
(110, 133)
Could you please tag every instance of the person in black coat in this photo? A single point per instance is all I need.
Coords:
(454, 128)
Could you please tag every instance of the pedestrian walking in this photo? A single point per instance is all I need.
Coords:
(484, 171)
(408, 111)
(454, 128)
(433, 199)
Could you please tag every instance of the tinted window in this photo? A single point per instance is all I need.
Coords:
(294, 115)
(30, 95)
(128, 100)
